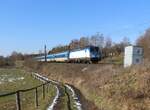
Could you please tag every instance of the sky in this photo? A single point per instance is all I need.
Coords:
(26, 25)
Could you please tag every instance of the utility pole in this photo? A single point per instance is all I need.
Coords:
(45, 53)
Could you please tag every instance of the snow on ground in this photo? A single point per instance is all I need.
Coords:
(55, 100)
(44, 79)
(8, 79)
(76, 99)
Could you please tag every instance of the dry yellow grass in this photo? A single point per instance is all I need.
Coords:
(109, 87)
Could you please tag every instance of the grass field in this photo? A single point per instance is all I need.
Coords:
(16, 79)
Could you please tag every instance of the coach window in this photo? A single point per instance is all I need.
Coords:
(137, 60)
(138, 51)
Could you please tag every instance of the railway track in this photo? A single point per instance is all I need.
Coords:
(100, 63)
(65, 98)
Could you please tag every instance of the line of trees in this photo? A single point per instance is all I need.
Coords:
(6, 61)
(105, 44)
(15, 56)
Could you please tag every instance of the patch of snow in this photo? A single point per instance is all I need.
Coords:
(77, 102)
(11, 80)
(84, 69)
(44, 79)
(4, 75)
(55, 100)
(5, 79)
(15, 79)
(21, 78)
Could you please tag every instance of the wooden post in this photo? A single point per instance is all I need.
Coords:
(36, 98)
(43, 91)
(18, 104)
(47, 85)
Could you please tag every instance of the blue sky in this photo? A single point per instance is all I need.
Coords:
(26, 25)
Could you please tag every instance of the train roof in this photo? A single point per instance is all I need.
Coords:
(65, 52)
(83, 48)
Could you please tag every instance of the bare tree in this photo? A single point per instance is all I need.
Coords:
(97, 40)
(144, 41)
(126, 41)
(16, 56)
(59, 48)
(74, 44)
(107, 46)
(84, 41)
(108, 42)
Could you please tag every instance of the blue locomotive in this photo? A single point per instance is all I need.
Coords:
(88, 54)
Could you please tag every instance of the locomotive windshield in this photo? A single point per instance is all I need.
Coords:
(95, 52)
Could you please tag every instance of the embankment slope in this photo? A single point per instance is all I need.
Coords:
(109, 87)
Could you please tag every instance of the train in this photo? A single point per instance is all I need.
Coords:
(89, 54)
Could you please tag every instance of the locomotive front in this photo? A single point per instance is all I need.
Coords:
(95, 54)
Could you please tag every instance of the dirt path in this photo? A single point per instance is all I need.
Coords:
(62, 103)
(63, 99)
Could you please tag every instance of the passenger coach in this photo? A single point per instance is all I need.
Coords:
(90, 54)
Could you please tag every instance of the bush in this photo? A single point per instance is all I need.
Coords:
(6, 62)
